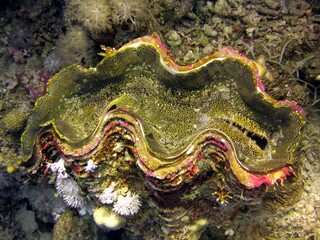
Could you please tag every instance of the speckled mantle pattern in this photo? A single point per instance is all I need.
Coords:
(140, 116)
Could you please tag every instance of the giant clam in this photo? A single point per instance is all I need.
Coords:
(175, 148)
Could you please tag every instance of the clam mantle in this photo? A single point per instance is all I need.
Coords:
(185, 139)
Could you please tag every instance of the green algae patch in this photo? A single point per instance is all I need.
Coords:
(14, 120)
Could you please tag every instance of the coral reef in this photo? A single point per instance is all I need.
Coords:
(36, 41)
(240, 141)
(70, 226)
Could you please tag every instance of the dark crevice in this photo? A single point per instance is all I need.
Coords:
(113, 107)
(261, 141)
